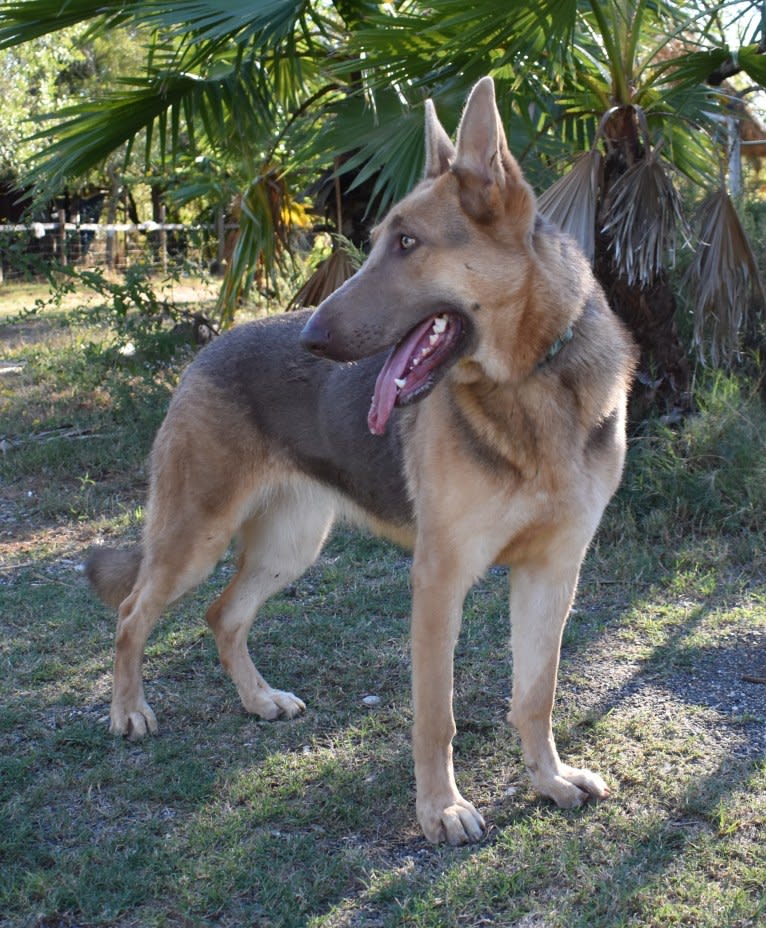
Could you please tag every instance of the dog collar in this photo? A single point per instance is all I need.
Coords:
(566, 336)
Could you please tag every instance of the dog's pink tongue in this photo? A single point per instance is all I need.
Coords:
(384, 397)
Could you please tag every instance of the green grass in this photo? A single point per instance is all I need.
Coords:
(225, 820)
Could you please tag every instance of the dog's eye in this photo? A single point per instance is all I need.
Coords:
(406, 242)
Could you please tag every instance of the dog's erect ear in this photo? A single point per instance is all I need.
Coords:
(439, 149)
(490, 178)
(481, 136)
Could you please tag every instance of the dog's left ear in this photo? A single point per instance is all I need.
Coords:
(491, 182)
(439, 149)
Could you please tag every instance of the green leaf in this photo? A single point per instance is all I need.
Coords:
(20, 22)
(753, 62)
(170, 104)
(696, 67)
(271, 21)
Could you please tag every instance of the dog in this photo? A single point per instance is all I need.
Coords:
(495, 435)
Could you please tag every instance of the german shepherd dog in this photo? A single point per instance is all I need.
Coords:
(496, 435)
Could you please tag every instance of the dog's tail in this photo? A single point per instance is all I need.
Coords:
(112, 572)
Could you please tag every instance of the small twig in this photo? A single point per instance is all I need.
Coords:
(51, 435)
(88, 433)
(63, 431)
(753, 678)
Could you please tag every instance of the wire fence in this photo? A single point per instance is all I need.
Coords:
(27, 249)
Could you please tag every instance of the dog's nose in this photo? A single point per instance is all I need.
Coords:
(315, 336)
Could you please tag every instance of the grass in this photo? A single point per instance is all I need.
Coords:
(226, 820)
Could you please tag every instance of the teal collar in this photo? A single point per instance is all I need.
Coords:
(566, 336)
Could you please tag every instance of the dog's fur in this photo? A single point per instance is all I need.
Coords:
(505, 451)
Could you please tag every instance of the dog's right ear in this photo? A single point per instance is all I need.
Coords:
(439, 149)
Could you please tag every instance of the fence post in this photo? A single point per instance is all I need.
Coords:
(126, 218)
(110, 243)
(220, 228)
(735, 158)
(163, 239)
(62, 236)
(111, 218)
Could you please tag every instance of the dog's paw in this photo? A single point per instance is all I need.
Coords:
(455, 821)
(133, 723)
(272, 704)
(572, 787)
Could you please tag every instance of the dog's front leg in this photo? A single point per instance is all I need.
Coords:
(541, 596)
(436, 615)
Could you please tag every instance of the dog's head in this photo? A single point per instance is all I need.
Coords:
(450, 272)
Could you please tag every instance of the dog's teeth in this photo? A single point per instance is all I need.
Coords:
(433, 339)
(400, 382)
(440, 324)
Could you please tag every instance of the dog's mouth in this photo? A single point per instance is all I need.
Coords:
(415, 365)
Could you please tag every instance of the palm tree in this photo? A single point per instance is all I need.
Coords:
(629, 82)
(275, 92)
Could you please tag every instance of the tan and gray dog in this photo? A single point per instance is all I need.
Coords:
(495, 435)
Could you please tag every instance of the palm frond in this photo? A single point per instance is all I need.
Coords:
(698, 66)
(723, 273)
(571, 202)
(328, 275)
(752, 60)
(87, 133)
(538, 31)
(444, 46)
(262, 238)
(691, 150)
(240, 21)
(268, 21)
(384, 136)
(231, 108)
(30, 19)
(642, 220)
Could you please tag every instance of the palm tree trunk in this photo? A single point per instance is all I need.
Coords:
(649, 310)
(662, 383)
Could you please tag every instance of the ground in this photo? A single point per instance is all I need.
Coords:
(226, 820)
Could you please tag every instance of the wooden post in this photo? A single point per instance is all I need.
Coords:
(62, 236)
(735, 158)
(74, 246)
(111, 218)
(220, 225)
(163, 239)
(126, 219)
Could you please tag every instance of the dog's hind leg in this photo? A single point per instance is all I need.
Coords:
(175, 559)
(541, 596)
(278, 544)
(130, 713)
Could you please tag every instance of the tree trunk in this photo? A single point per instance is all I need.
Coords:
(662, 382)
